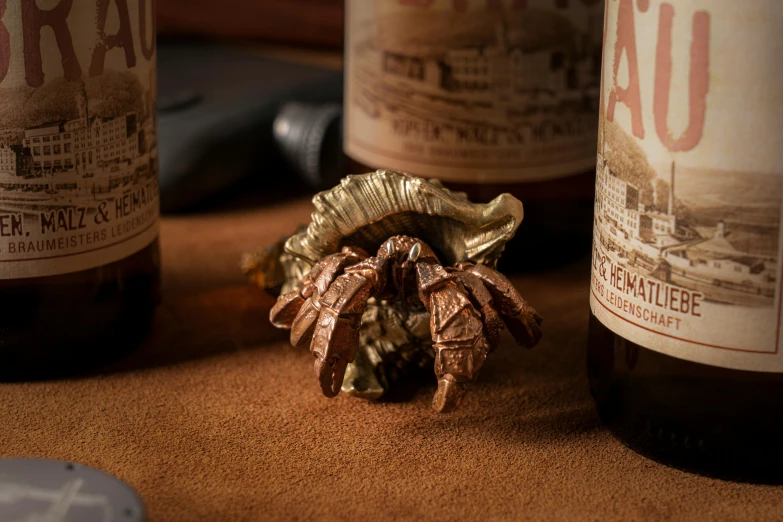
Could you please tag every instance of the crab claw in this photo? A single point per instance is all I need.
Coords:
(335, 340)
(298, 310)
(449, 395)
(330, 375)
(336, 335)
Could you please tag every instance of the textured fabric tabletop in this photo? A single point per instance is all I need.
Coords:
(216, 418)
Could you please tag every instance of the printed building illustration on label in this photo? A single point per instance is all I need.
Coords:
(57, 159)
(713, 238)
(78, 156)
(497, 85)
(689, 189)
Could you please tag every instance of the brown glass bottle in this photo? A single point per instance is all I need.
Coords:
(684, 356)
(473, 94)
(717, 421)
(79, 256)
(65, 324)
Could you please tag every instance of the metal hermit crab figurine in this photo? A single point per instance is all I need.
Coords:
(429, 292)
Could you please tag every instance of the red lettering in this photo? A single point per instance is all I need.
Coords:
(630, 284)
(658, 296)
(618, 283)
(630, 95)
(123, 38)
(147, 49)
(675, 297)
(650, 287)
(641, 291)
(698, 80)
(695, 302)
(685, 303)
(33, 19)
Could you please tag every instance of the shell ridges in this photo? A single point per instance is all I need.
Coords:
(366, 209)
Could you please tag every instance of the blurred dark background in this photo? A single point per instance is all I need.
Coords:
(312, 23)
(249, 96)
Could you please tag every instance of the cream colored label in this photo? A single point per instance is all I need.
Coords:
(78, 156)
(687, 245)
(473, 90)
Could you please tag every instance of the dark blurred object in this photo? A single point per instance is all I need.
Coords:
(310, 139)
(302, 22)
(216, 110)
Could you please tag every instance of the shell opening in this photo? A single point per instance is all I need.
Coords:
(451, 240)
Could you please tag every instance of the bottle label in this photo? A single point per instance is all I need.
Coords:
(78, 157)
(687, 248)
(500, 91)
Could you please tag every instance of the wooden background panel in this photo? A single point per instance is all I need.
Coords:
(301, 22)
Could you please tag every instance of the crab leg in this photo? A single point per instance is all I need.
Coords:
(482, 300)
(521, 319)
(336, 334)
(298, 310)
(286, 308)
(458, 336)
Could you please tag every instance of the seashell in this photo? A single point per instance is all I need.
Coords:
(365, 210)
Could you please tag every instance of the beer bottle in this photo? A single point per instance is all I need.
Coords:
(488, 96)
(684, 357)
(79, 261)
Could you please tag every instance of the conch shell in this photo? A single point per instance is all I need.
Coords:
(364, 211)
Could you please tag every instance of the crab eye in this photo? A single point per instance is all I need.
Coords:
(414, 253)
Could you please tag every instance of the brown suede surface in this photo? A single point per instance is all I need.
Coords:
(216, 418)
